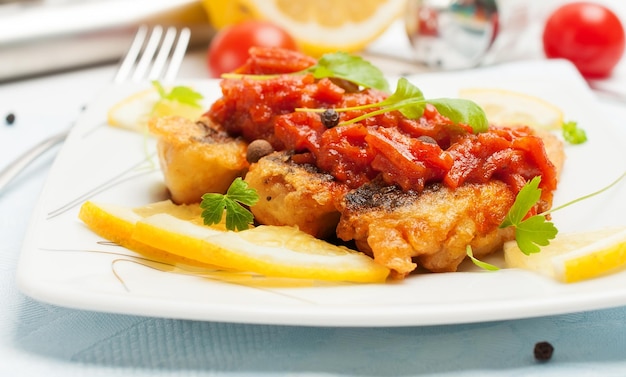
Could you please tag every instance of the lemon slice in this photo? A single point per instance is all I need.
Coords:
(268, 250)
(134, 112)
(574, 257)
(504, 107)
(117, 224)
(318, 26)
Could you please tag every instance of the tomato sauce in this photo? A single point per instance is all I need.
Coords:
(404, 152)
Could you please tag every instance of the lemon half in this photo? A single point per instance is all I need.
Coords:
(574, 257)
(319, 26)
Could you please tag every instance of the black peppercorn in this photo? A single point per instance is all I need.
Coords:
(10, 118)
(258, 149)
(543, 351)
(330, 118)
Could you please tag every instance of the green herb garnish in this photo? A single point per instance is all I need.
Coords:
(182, 94)
(573, 134)
(238, 217)
(336, 65)
(409, 100)
(534, 230)
(478, 262)
(537, 230)
(349, 67)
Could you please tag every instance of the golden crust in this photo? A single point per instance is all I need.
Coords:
(196, 158)
(294, 194)
(433, 227)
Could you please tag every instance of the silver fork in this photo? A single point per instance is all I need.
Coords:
(152, 55)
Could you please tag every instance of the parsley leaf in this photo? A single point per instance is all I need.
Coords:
(182, 94)
(237, 216)
(349, 67)
(526, 198)
(410, 101)
(573, 134)
(534, 231)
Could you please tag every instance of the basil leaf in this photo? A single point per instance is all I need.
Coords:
(462, 111)
(350, 67)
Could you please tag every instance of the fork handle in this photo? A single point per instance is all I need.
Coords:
(28, 157)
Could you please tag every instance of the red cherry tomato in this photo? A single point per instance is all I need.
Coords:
(589, 35)
(229, 48)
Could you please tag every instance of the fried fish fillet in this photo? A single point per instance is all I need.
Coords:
(294, 194)
(433, 227)
(197, 157)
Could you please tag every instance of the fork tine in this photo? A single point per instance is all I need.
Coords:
(141, 55)
(131, 56)
(164, 53)
(148, 54)
(178, 55)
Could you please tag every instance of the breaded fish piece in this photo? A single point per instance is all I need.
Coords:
(197, 157)
(294, 194)
(433, 227)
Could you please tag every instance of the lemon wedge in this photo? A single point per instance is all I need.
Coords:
(505, 107)
(276, 251)
(117, 224)
(134, 112)
(318, 26)
(574, 257)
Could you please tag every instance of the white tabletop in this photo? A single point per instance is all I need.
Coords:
(38, 339)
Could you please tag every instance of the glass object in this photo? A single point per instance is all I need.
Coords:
(451, 34)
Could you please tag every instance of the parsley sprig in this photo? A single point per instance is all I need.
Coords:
(232, 203)
(572, 133)
(339, 65)
(535, 231)
(181, 94)
(409, 100)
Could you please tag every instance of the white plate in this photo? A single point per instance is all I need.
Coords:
(101, 163)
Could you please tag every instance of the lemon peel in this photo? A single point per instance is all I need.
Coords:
(275, 251)
(117, 224)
